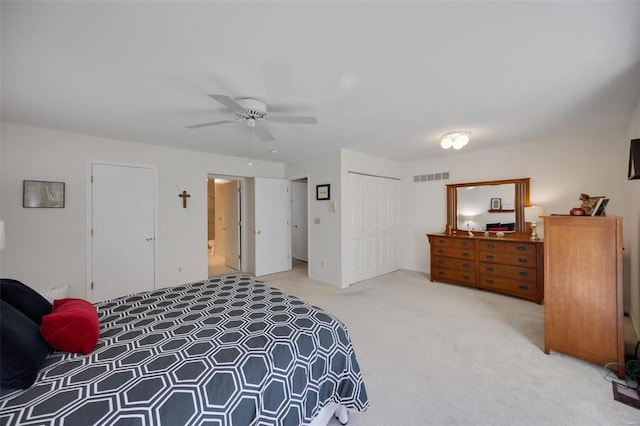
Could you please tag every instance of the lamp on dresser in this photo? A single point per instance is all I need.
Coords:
(533, 214)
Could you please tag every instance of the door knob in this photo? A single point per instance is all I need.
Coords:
(295, 226)
(257, 232)
(149, 238)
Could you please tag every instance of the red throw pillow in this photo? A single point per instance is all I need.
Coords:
(72, 326)
(499, 228)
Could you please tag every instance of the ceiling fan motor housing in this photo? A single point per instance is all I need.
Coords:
(255, 109)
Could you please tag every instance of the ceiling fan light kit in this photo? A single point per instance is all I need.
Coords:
(455, 139)
(254, 112)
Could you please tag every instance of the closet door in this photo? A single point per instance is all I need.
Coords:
(388, 204)
(363, 259)
(374, 230)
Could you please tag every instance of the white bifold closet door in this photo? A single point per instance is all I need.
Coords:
(374, 228)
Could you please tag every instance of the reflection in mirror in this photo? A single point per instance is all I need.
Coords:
(466, 206)
(476, 210)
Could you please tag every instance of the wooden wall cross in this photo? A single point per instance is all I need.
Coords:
(184, 197)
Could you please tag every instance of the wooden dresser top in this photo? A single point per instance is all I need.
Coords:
(492, 237)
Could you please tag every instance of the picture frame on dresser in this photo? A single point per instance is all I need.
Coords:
(496, 203)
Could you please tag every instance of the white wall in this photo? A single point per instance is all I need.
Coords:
(326, 243)
(632, 228)
(560, 170)
(324, 238)
(49, 246)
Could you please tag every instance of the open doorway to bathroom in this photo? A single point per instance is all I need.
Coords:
(299, 222)
(223, 218)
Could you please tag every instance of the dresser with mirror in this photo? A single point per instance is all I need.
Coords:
(486, 243)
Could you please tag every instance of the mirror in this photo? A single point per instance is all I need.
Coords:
(499, 204)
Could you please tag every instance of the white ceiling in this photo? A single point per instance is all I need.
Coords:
(383, 77)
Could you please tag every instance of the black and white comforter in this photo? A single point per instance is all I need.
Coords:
(228, 351)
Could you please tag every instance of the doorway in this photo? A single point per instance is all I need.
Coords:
(223, 225)
(299, 220)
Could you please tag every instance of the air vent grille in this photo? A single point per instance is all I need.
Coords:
(431, 177)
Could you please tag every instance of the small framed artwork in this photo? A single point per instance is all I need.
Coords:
(42, 194)
(496, 203)
(323, 192)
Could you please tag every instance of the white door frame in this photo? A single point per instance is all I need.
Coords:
(89, 221)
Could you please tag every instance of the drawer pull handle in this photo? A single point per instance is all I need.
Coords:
(491, 245)
(489, 256)
(490, 269)
(466, 277)
(440, 241)
(465, 265)
(522, 260)
(489, 281)
(465, 254)
(440, 251)
(523, 274)
(521, 248)
(441, 262)
(440, 272)
(465, 243)
(523, 287)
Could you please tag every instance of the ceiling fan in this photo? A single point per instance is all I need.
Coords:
(253, 112)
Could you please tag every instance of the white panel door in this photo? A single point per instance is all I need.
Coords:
(363, 231)
(299, 219)
(272, 203)
(123, 227)
(369, 222)
(388, 225)
(394, 226)
(232, 214)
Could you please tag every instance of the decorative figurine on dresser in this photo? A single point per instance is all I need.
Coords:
(495, 252)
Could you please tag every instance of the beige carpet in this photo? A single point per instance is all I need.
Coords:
(440, 354)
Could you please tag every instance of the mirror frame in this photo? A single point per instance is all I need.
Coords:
(521, 200)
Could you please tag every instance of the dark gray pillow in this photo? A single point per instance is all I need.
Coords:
(22, 348)
(24, 299)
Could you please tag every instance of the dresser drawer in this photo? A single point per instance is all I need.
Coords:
(507, 271)
(509, 258)
(455, 275)
(455, 263)
(521, 288)
(452, 242)
(461, 253)
(506, 246)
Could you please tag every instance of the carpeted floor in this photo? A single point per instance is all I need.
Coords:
(440, 354)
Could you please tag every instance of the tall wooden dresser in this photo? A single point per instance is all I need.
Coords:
(510, 265)
(583, 312)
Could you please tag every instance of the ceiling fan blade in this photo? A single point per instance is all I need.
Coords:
(293, 119)
(264, 134)
(211, 123)
(229, 102)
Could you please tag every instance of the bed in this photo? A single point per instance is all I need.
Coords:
(225, 351)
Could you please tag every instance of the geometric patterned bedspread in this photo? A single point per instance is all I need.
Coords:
(224, 351)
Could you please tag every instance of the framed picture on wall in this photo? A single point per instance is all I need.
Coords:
(323, 192)
(496, 203)
(42, 194)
